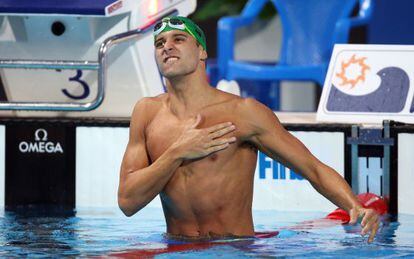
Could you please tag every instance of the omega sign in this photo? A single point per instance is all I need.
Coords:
(41, 144)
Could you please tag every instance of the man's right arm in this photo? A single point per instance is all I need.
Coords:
(140, 181)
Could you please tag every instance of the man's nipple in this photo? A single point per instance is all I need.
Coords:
(213, 157)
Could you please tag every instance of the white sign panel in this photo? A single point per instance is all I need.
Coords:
(369, 84)
(99, 152)
(2, 163)
(279, 188)
(405, 173)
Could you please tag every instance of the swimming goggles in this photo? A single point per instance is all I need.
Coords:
(174, 23)
(183, 24)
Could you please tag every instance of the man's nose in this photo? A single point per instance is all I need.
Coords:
(168, 45)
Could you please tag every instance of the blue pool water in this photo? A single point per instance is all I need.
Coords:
(106, 232)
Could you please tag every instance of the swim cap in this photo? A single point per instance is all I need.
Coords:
(182, 24)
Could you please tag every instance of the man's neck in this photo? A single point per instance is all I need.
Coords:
(188, 95)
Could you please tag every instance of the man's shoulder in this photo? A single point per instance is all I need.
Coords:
(230, 99)
(147, 107)
(151, 103)
(252, 111)
(153, 100)
(248, 105)
(240, 106)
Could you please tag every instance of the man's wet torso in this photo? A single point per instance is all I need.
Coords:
(208, 196)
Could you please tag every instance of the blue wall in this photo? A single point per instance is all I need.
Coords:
(392, 23)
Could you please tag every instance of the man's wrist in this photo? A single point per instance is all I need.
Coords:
(174, 154)
(356, 207)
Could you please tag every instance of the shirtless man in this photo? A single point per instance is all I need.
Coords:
(196, 147)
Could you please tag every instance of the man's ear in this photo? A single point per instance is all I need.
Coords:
(203, 54)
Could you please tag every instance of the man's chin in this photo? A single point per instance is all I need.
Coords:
(171, 74)
(174, 74)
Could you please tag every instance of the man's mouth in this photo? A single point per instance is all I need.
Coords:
(170, 59)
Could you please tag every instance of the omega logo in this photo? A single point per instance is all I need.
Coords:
(41, 145)
(37, 135)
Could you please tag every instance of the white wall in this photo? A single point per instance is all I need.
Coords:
(98, 156)
(99, 152)
(2, 163)
(405, 173)
(298, 195)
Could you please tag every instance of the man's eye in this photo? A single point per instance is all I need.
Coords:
(159, 44)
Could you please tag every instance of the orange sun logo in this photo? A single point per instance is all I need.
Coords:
(345, 67)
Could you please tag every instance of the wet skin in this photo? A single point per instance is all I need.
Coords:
(196, 147)
(210, 195)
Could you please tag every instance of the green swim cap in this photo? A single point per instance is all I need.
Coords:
(182, 24)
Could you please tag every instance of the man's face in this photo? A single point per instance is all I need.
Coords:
(177, 53)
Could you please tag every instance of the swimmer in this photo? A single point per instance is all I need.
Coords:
(196, 147)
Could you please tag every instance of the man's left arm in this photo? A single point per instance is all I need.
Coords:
(270, 137)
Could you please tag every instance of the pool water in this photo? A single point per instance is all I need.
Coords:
(107, 233)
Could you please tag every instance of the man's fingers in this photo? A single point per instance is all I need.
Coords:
(365, 219)
(368, 226)
(373, 232)
(371, 227)
(217, 127)
(219, 142)
(222, 132)
(369, 223)
(369, 218)
(353, 215)
(217, 148)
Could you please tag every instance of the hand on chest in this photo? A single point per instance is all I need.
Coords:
(163, 131)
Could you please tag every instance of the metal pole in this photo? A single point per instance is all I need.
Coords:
(386, 162)
(355, 161)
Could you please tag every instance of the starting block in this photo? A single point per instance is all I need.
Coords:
(66, 58)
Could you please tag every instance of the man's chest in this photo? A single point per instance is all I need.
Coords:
(161, 134)
(165, 129)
